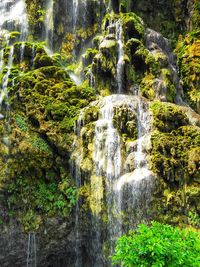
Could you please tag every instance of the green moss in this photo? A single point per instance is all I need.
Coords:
(126, 122)
(147, 86)
(172, 156)
(167, 117)
(133, 26)
(47, 103)
(21, 123)
(40, 144)
(37, 199)
(36, 14)
(91, 114)
(188, 50)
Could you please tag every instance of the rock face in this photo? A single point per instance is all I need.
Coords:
(99, 125)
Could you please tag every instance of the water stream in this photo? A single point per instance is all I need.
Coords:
(120, 62)
(49, 26)
(5, 79)
(76, 171)
(124, 192)
(31, 260)
(13, 17)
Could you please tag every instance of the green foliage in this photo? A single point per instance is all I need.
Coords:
(20, 121)
(40, 144)
(159, 246)
(167, 117)
(38, 199)
(194, 219)
(133, 25)
(188, 51)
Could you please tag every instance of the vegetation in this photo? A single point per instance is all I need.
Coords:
(39, 146)
(158, 245)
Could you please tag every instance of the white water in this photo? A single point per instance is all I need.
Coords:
(141, 167)
(75, 78)
(133, 188)
(75, 14)
(33, 55)
(107, 156)
(107, 159)
(120, 63)
(91, 78)
(49, 26)
(76, 171)
(31, 260)
(13, 17)
(79, 9)
(22, 51)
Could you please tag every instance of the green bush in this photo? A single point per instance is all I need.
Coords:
(158, 245)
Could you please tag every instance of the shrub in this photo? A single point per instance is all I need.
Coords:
(158, 245)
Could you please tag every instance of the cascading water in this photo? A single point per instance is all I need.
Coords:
(6, 76)
(75, 14)
(136, 187)
(13, 17)
(75, 171)
(3, 95)
(107, 158)
(79, 10)
(112, 185)
(120, 62)
(49, 26)
(33, 55)
(22, 51)
(31, 260)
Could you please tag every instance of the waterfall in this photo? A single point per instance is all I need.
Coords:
(49, 26)
(79, 12)
(91, 78)
(107, 159)
(22, 52)
(3, 95)
(13, 17)
(107, 143)
(121, 192)
(33, 55)
(75, 171)
(120, 62)
(31, 251)
(75, 78)
(75, 14)
(136, 186)
(6, 76)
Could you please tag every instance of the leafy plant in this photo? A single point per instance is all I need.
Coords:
(37, 199)
(158, 245)
(21, 123)
(194, 219)
(40, 144)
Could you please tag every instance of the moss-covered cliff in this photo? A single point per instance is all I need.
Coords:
(52, 104)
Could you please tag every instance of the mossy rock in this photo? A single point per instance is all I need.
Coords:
(44, 106)
(168, 117)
